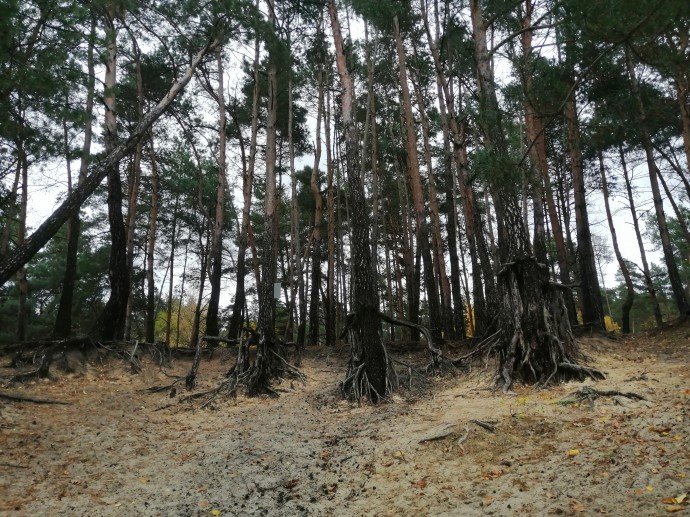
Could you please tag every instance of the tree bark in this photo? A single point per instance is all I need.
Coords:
(590, 293)
(368, 369)
(331, 298)
(316, 230)
(111, 322)
(133, 191)
(267, 364)
(536, 344)
(212, 326)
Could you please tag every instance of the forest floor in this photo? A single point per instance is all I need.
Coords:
(113, 451)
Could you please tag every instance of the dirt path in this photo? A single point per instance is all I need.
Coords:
(309, 453)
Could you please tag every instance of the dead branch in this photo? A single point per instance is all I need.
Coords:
(21, 398)
(488, 425)
(216, 339)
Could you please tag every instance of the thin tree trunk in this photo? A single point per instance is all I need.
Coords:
(671, 266)
(414, 178)
(643, 255)
(590, 293)
(173, 242)
(235, 325)
(630, 289)
(316, 230)
(63, 319)
(111, 322)
(22, 282)
(436, 238)
(368, 368)
(267, 365)
(330, 204)
(133, 190)
(212, 325)
(150, 247)
(204, 255)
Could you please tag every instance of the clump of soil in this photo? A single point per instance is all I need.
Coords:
(118, 450)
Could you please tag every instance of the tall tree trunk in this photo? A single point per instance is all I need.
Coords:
(235, 325)
(671, 266)
(63, 319)
(173, 243)
(111, 322)
(649, 284)
(133, 191)
(316, 230)
(150, 247)
(212, 326)
(436, 238)
(204, 257)
(331, 300)
(371, 117)
(590, 293)
(22, 282)
(267, 364)
(536, 138)
(630, 289)
(536, 345)
(368, 370)
(414, 178)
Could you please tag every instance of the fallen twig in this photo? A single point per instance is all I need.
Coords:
(464, 437)
(489, 425)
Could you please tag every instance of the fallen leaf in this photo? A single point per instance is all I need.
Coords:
(675, 508)
(577, 506)
(573, 452)
(649, 488)
(143, 480)
(421, 483)
(487, 500)
(492, 474)
(675, 500)
(203, 504)
(215, 512)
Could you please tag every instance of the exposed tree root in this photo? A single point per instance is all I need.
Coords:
(537, 345)
(269, 365)
(590, 394)
(72, 355)
(363, 360)
(439, 364)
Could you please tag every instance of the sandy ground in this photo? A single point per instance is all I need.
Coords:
(113, 451)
